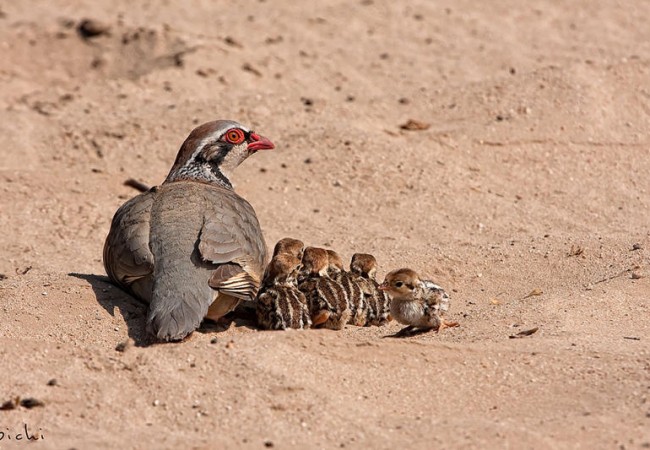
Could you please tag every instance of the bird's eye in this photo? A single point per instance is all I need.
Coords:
(235, 136)
(399, 284)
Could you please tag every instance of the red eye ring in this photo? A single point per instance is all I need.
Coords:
(234, 136)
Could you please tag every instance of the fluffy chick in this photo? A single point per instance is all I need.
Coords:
(280, 305)
(419, 304)
(325, 297)
(289, 246)
(334, 263)
(364, 265)
(363, 269)
(285, 246)
(354, 293)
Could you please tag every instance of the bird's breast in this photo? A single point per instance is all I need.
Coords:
(407, 312)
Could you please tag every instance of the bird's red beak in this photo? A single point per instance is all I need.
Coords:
(383, 286)
(259, 143)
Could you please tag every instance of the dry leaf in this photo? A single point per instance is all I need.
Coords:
(414, 125)
(249, 68)
(524, 333)
(10, 404)
(534, 293)
(576, 250)
(496, 301)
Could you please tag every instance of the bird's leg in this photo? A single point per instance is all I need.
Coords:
(320, 317)
(446, 324)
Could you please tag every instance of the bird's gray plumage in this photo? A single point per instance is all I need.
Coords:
(191, 248)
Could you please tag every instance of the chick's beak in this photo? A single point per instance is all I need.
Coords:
(259, 143)
(383, 286)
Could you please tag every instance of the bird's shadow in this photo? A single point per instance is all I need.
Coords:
(110, 297)
(134, 311)
(408, 332)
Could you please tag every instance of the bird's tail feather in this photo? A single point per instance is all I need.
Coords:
(172, 318)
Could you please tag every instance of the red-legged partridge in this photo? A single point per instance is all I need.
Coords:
(191, 247)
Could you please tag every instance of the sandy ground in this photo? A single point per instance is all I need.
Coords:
(532, 177)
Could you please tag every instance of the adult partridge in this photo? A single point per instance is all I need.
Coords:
(191, 247)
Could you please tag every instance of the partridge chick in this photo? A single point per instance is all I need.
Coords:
(191, 247)
(354, 295)
(334, 263)
(419, 304)
(290, 246)
(286, 246)
(363, 268)
(280, 305)
(325, 297)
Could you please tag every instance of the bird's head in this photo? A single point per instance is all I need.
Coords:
(315, 262)
(289, 246)
(364, 265)
(283, 268)
(400, 283)
(334, 262)
(213, 151)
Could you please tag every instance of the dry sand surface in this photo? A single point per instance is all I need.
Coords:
(532, 177)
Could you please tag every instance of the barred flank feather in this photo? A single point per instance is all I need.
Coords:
(281, 307)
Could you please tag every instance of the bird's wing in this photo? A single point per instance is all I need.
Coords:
(232, 280)
(127, 257)
(436, 296)
(231, 238)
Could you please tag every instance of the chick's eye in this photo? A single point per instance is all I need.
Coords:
(235, 136)
(399, 284)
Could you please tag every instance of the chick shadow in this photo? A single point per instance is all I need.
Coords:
(109, 296)
(242, 316)
(134, 311)
(407, 332)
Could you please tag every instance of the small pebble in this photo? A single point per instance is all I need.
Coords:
(8, 405)
(31, 402)
(89, 28)
(53, 382)
(122, 346)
